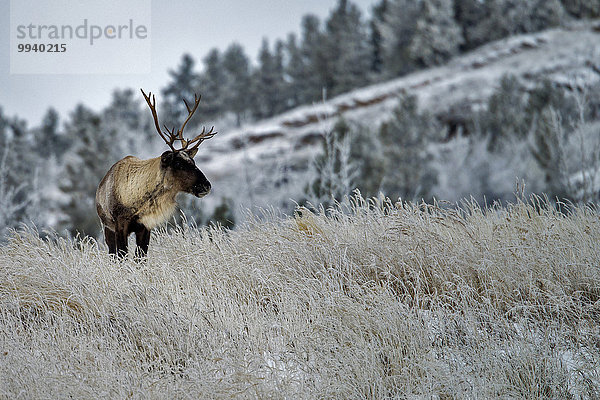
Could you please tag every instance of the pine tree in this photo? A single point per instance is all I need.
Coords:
(282, 94)
(46, 139)
(48, 148)
(334, 170)
(437, 36)
(131, 124)
(124, 108)
(504, 118)
(20, 164)
(236, 67)
(543, 15)
(265, 84)
(582, 8)
(347, 46)
(515, 17)
(397, 32)
(92, 153)
(469, 14)
(513, 113)
(367, 149)
(13, 201)
(212, 83)
(548, 143)
(316, 76)
(404, 138)
(17, 168)
(268, 82)
(295, 71)
(377, 52)
(183, 85)
(496, 19)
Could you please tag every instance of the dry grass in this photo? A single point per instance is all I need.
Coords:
(379, 301)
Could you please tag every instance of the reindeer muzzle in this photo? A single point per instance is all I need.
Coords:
(201, 190)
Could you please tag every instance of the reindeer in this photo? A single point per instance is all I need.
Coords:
(137, 195)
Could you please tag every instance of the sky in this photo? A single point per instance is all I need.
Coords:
(176, 27)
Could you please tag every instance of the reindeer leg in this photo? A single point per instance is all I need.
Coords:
(142, 240)
(111, 240)
(121, 239)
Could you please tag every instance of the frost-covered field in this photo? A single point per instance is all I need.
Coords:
(380, 301)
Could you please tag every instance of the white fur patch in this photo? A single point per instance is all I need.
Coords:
(158, 215)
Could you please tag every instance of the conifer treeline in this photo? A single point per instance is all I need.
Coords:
(347, 50)
(49, 173)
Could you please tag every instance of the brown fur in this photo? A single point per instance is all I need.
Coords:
(139, 186)
(137, 195)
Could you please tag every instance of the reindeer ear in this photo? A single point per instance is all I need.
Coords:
(192, 152)
(166, 157)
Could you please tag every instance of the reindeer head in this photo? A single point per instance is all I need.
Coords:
(178, 165)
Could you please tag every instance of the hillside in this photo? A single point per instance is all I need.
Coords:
(245, 157)
(381, 301)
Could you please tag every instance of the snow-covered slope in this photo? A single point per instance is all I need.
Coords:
(241, 161)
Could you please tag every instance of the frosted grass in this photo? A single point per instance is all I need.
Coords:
(371, 300)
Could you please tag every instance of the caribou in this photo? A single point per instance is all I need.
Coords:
(137, 195)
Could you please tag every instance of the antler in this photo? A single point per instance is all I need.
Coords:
(152, 105)
(201, 138)
(185, 143)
